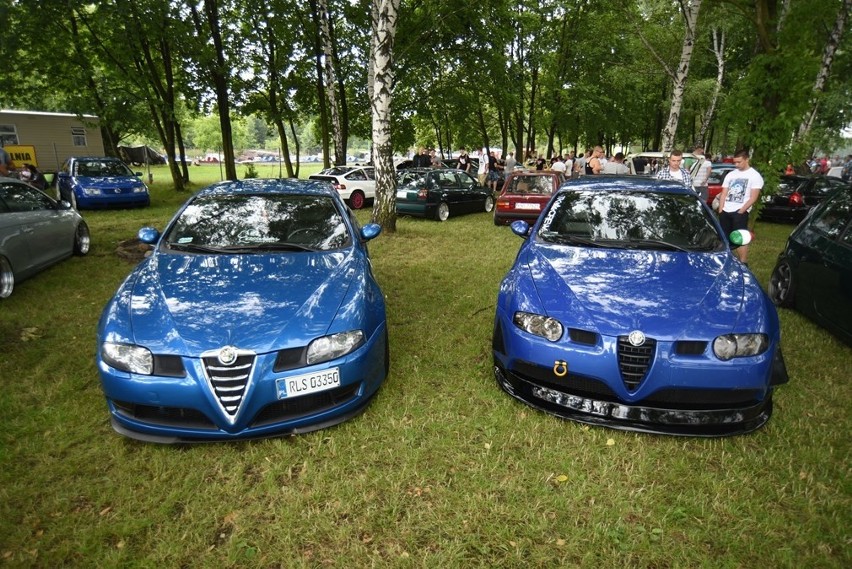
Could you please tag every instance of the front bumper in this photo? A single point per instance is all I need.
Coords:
(716, 422)
(184, 409)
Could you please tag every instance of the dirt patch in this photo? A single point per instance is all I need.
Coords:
(133, 250)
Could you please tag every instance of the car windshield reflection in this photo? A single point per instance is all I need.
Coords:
(245, 223)
(631, 220)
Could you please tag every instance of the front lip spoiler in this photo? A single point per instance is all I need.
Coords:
(178, 440)
(677, 422)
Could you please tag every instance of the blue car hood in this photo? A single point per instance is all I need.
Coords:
(665, 294)
(124, 182)
(187, 304)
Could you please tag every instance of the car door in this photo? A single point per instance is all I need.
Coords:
(829, 272)
(449, 191)
(63, 181)
(470, 194)
(48, 233)
(370, 182)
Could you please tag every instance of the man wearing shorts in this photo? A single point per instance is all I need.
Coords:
(740, 190)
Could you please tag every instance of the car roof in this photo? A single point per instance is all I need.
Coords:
(605, 182)
(270, 186)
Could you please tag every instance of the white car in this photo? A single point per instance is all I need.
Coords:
(835, 172)
(647, 163)
(355, 184)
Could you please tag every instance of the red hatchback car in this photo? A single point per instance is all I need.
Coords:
(524, 195)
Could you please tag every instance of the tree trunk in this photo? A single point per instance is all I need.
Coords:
(825, 69)
(719, 51)
(690, 9)
(321, 98)
(330, 80)
(218, 73)
(385, 14)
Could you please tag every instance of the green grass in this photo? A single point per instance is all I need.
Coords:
(442, 470)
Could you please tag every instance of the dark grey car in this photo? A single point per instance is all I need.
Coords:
(35, 232)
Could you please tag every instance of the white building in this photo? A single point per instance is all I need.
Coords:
(46, 140)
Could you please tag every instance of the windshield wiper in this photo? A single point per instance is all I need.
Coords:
(656, 244)
(268, 247)
(568, 239)
(194, 248)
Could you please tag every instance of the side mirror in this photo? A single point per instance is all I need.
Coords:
(370, 231)
(138, 174)
(521, 228)
(148, 235)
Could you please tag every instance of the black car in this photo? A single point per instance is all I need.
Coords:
(439, 193)
(814, 272)
(796, 195)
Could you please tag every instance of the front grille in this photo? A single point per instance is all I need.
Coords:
(634, 361)
(229, 382)
(296, 407)
(164, 416)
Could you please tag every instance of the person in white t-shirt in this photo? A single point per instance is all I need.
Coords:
(740, 190)
(558, 166)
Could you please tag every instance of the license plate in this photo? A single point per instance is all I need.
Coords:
(534, 206)
(297, 385)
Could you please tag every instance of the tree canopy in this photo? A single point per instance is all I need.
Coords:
(549, 77)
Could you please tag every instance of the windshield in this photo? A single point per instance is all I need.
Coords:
(236, 222)
(630, 219)
(95, 168)
(522, 184)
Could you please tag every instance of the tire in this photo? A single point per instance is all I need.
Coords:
(782, 285)
(356, 200)
(489, 204)
(7, 278)
(443, 212)
(82, 239)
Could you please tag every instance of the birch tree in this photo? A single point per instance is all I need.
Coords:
(385, 15)
(330, 81)
(825, 68)
(718, 38)
(689, 9)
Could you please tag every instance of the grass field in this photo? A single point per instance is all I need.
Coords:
(442, 470)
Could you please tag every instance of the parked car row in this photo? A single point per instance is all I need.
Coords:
(257, 313)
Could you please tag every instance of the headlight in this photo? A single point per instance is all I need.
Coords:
(740, 345)
(92, 191)
(539, 325)
(334, 346)
(127, 357)
(140, 190)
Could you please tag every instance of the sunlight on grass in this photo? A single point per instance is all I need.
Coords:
(442, 470)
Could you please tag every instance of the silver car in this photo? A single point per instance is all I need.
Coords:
(35, 232)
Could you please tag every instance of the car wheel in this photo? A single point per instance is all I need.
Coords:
(782, 286)
(496, 221)
(443, 213)
(356, 200)
(82, 239)
(489, 204)
(7, 278)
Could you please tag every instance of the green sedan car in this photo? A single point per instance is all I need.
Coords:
(35, 233)
(440, 193)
